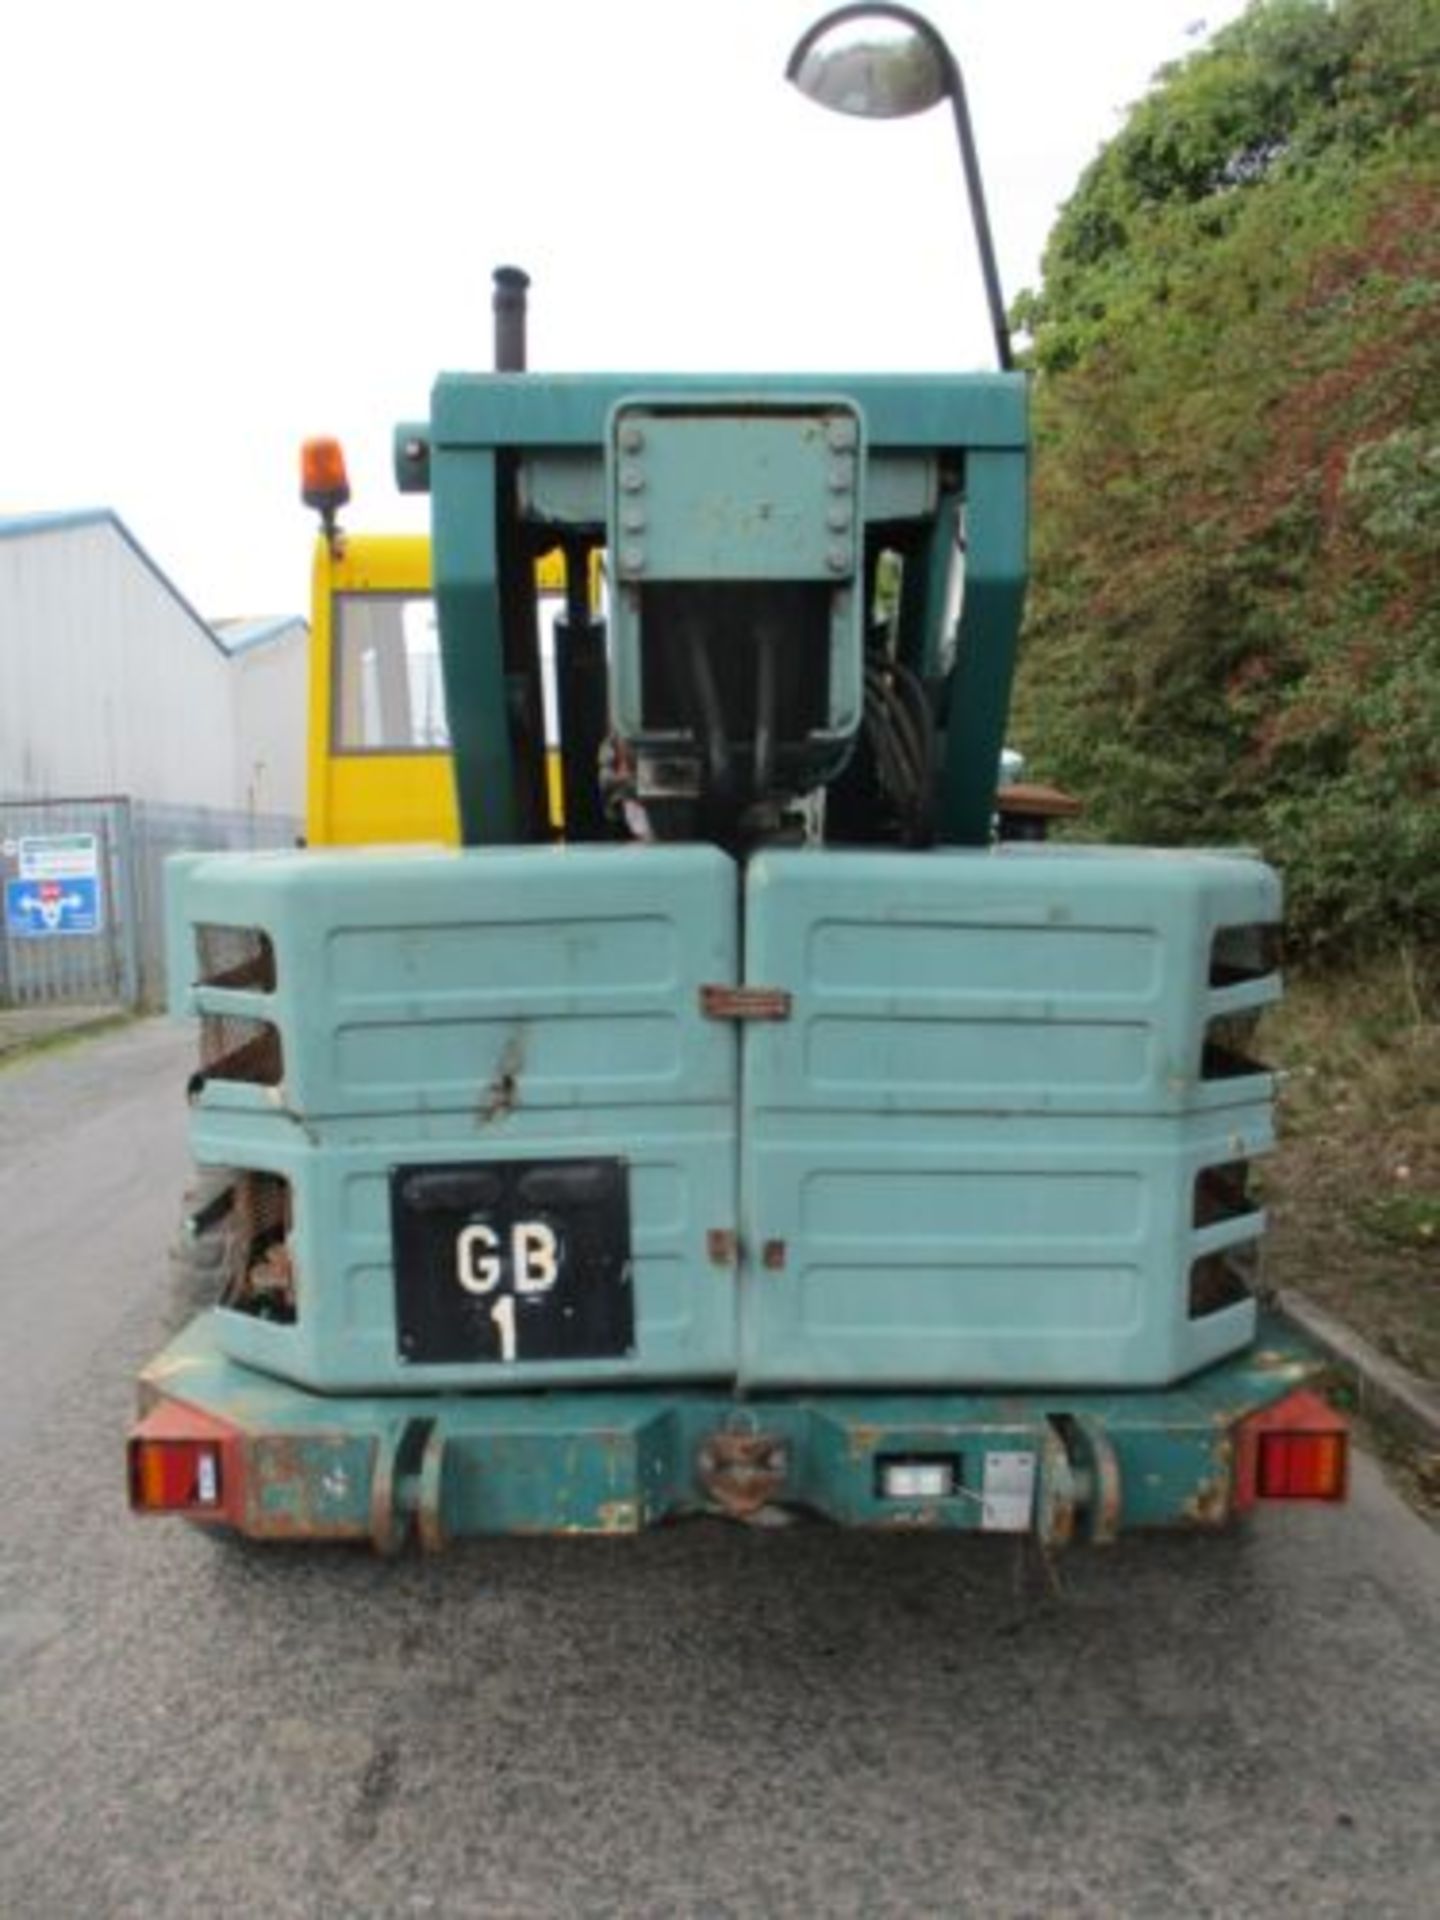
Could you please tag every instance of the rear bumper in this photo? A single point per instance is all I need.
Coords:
(285, 1463)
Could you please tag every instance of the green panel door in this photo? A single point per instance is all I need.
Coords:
(981, 1147)
(505, 1135)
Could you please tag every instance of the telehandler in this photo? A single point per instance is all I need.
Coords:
(754, 1129)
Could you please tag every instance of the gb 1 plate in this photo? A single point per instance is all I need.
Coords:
(513, 1260)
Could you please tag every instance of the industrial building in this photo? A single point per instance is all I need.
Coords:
(130, 728)
(112, 683)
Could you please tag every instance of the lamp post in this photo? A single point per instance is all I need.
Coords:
(887, 75)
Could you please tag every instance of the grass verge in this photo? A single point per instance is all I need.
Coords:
(1354, 1187)
(15, 1052)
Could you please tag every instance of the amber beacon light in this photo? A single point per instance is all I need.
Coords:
(324, 483)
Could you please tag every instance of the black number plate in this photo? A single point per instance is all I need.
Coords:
(513, 1260)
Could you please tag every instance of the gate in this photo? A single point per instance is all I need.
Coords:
(83, 893)
(70, 929)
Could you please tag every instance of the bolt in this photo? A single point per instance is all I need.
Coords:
(414, 450)
(840, 435)
(838, 559)
(632, 560)
(631, 439)
(838, 519)
(842, 474)
(634, 520)
(632, 479)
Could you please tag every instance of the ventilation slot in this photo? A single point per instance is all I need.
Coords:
(1224, 1279)
(259, 1273)
(238, 958)
(234, 1048)
(1227, 1052)
(1229, 1275)
(1241, 954)
(1223, 1193)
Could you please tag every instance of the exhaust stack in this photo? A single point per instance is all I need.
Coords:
(508, 302)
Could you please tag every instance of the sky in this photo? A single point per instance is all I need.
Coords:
(226, 229)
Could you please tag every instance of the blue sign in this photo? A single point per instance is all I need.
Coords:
(35, 909)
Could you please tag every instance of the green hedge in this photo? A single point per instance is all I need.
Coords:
(1234, 626)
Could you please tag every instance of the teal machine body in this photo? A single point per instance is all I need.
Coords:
(765, 1133)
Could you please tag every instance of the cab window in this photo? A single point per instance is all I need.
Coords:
(389, 696)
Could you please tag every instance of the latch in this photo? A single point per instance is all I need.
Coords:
(745, 1003)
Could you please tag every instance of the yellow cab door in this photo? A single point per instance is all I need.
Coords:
(380, 767)
(379, 747)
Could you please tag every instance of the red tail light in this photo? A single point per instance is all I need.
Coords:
(1299, 1449)
(1301, 1466)
(174, 1476)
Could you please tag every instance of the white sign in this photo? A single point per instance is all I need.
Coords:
(1009, 1492)
(59, 856)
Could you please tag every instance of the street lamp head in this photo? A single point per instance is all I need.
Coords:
(879, 62)
(885, 62)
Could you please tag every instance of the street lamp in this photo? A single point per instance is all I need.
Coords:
(884, 62)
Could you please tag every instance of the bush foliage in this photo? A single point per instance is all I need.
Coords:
(1234, 627)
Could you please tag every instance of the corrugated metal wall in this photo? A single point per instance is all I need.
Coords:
(116, 693)
(66, 940)
(270, 692)
(108, 682)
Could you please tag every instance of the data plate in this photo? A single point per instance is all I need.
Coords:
(513, 1260)
(1009, 1492)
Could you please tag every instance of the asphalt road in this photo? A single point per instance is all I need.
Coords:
(706, 1721)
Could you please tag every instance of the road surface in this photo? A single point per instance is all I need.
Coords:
(706, 1721)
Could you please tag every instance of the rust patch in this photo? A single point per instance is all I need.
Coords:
(388, 1526)
(722, 1247)
(1055, 1524)
(743, 1472)
(1086, 1438)
(1209, 1505)
(1054, 1516)
(502, 1096)
(281, 1462)
(774, 1255)
(429, 1518)
(289, 1527)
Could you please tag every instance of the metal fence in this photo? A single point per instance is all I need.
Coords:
(83, 884)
